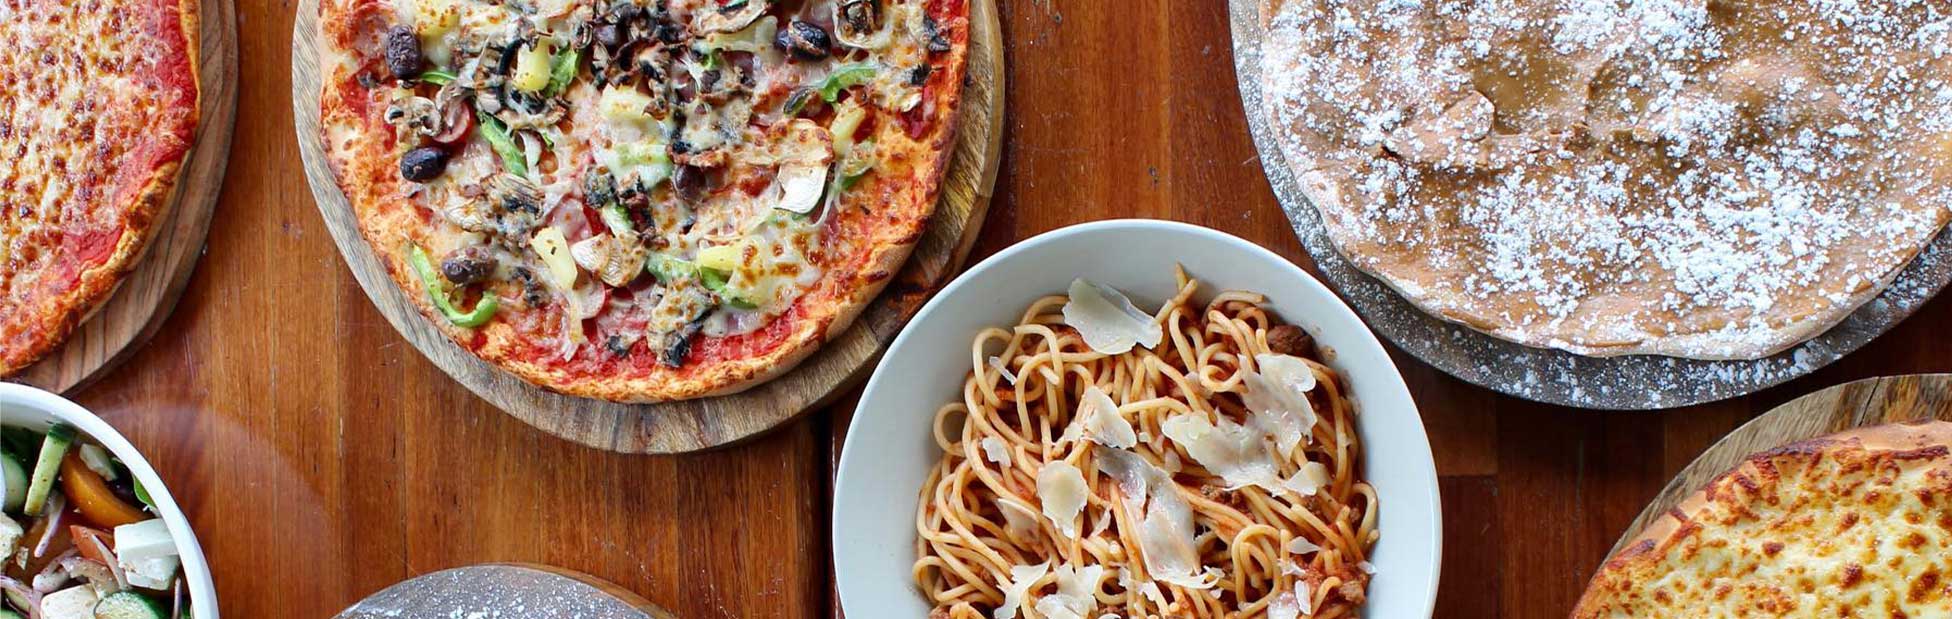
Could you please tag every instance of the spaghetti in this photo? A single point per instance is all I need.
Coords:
(987, 545)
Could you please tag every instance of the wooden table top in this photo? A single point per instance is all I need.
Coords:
(321, 459)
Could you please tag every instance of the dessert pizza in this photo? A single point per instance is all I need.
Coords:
(641, 200)
(1857, 524)
(1708, 179)
(98, 107)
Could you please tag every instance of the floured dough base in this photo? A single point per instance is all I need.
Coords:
(1706, 179)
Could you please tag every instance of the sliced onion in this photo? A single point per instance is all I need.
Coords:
(57, 504)
(33, 597)
(114, 563)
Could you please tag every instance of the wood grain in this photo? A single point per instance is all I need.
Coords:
(683, 426)
(1868, 402)
(321, 458)
(145, 297)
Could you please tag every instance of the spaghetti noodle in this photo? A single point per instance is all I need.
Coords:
(988, 545)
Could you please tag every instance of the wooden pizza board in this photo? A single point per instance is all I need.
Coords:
(145, 297)
(1868, 402)
(504, 590)
(677, 427)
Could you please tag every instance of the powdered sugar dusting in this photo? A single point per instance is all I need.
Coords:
(1680, 177)
(1625, 382)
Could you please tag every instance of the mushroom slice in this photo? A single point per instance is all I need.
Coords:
(861, 23)
(807, 154)
(613, 260)
(729, 15)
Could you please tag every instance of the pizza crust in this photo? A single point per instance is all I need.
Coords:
(1625, 580)
(372, 187)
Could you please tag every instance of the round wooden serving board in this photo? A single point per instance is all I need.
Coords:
(1868, 402)
(677, 427)
(146, 295)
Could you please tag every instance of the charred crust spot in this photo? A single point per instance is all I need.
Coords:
(1852, 574)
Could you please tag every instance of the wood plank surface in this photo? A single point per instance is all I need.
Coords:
(321, 458)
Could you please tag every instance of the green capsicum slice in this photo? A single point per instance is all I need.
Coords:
(844, 77)
(438, 77)
(436, 289)
(504, 144)
(562, 73)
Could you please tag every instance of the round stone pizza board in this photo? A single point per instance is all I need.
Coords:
(676, 427)
(1639, 382)
(1868, 402)
(504, 590)
(145, 297)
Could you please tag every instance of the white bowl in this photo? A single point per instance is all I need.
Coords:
(889, 451)
(27, 407)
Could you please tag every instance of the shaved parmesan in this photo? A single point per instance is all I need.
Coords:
(1277, 397)
(1077, 592)
(1151, 592)
(1166, 534)
(1061, 488)
(1302, 546)
(1366, 567)
(1020, 518)
(995, 451)
(1230, 450)
(1284, 606)
(1305, 599)
(1101, 420)
(1308, 480)
(1022, 578)
(1106, 319)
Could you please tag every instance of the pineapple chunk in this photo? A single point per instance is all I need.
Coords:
(624, 104)
(553, 247)
(531, 68)
(722, 258)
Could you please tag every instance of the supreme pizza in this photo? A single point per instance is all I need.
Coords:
(641, 200)
(98, 107)
(1857, 524)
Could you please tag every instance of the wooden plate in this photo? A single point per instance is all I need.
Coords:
(1868, 402)
(144, 299)
(697, 424)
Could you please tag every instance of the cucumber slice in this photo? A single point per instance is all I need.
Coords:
(59, 437)
(130, 605)
(8, 614)
(14, 475)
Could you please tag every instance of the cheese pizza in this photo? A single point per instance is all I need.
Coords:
(641, 200)
(98, 107)
(1857, 524)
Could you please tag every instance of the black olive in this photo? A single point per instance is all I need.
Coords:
(919, 75)
(423, 164)
(618, 345)
(403, 53)
(609, 35)
(689, 181)
(468, 265)
(533, 294)
(805, 40)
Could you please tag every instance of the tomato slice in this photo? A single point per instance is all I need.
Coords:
(92, 497)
